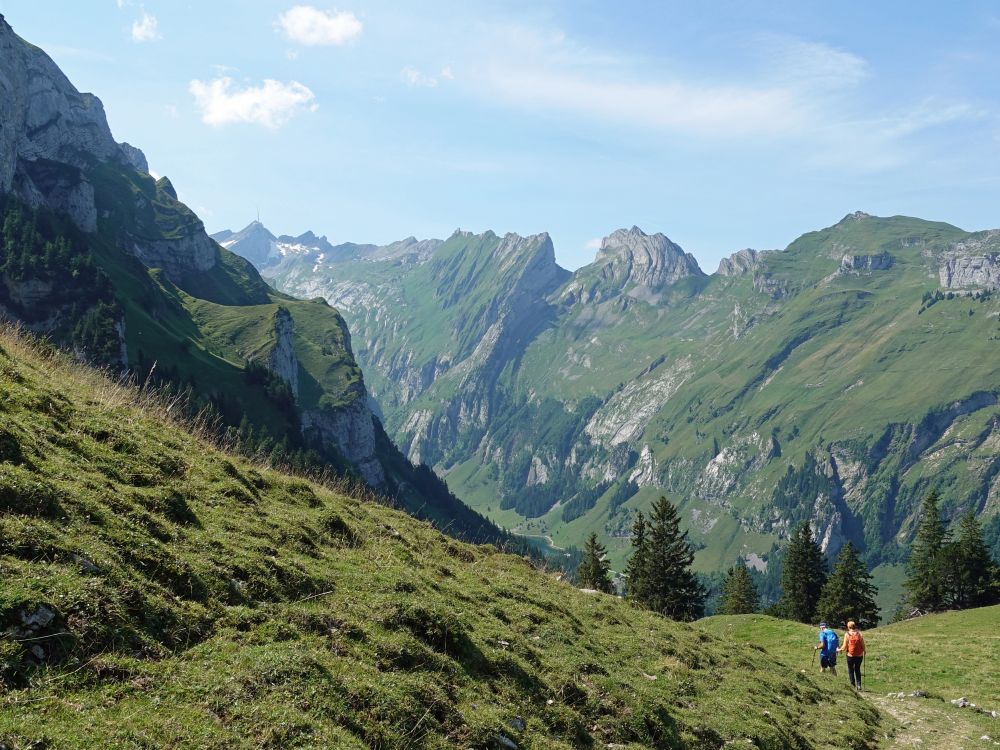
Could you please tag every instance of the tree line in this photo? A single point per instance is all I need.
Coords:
(946, 570)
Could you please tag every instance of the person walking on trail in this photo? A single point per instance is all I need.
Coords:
(827, 648)
(854, 644)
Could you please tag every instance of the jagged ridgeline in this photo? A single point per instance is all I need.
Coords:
(836, 380)
(104, 259)
(160, 593)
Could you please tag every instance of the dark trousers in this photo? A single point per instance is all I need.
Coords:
(854, 670)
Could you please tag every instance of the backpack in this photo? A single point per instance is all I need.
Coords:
(830, 642)
(853, 642)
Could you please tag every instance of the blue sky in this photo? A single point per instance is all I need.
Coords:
(729, 125)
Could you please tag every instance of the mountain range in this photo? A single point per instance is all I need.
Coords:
(836, 380)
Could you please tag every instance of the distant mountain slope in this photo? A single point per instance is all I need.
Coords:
(836, 380)
(103, 258)
(160, 593)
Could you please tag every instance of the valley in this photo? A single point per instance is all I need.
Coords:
(560, 403)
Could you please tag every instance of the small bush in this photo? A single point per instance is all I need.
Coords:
(21, 493)
(174, 506)
(339, 531)
(10, 448)
(437, 628)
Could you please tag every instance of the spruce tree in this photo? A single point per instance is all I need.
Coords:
(924, 584)
(592, 572)
(802, 576)
(739, 594)
(671, 588)
(637, 568)
(849, 593)
(968, 572)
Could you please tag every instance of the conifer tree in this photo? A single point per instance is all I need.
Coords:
(968, 572)
(803, 576)
(592, 573)
(671, 588)
(637, 568)
(849, 593)
(924, 584)
(739, 593)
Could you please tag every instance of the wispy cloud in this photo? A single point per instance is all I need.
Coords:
(145, 29)
(803, 97)
(808, 66)
(415, 78)
(272, 104)
(311, 26)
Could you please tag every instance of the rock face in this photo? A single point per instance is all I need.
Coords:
(282, 360)
(982, 272)
(45, 120)
(740, 263)
(351, 431)
(630, 257)
(865, 263)
(973, 263)
(178, 257)
(135, 157)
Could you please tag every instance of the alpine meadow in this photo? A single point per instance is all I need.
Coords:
(490, 489)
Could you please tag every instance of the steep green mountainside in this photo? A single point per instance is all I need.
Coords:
(913, 670)
(104, 259)
(836, 380)
(160, 593)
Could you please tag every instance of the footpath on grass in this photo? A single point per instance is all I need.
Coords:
(935, 677)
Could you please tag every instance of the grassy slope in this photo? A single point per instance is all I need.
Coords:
(947, 656)
(203, 602)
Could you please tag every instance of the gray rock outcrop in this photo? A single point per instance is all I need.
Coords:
(865, 263)
(630, 256)
(740, 263)
(351, 431)
(975, 272)
(177, 257)
(973, 263)
(282, 360)
(135, 158)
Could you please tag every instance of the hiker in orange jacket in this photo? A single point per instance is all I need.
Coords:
(854, 644)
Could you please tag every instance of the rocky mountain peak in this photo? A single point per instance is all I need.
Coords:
(652, 260)
(741, 262)
(310, 238)
(254, 242)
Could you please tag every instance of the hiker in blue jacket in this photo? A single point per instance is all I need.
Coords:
(827, 649)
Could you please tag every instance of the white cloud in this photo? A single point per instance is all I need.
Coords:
(145, 29)
(414, 78)
(447, 73)
(314, 27)
(271, 104)
(593, 245)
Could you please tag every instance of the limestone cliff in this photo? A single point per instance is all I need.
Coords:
(50, 133)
